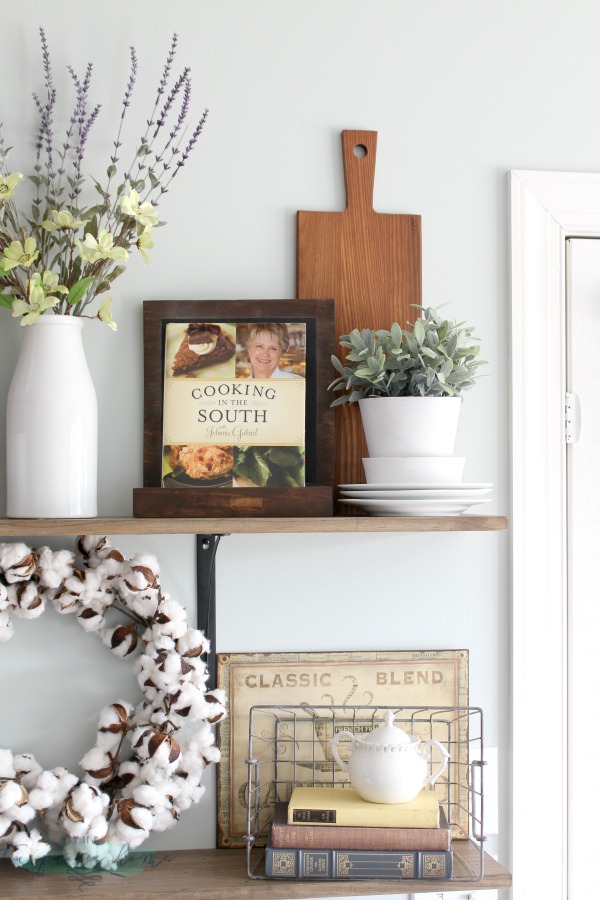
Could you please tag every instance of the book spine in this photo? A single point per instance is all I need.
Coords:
(346, 837)
(357, 864)
(397, 818)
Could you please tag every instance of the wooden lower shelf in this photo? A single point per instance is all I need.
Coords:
(221, 875)
(130, 525)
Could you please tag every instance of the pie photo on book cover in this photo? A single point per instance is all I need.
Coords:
(234, 404)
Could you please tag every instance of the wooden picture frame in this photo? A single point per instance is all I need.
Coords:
(317, 319)
(367, 679)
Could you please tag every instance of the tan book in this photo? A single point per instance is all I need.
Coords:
(356, 837)
(343, 806)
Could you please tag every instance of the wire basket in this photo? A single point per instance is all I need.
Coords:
(289, 746)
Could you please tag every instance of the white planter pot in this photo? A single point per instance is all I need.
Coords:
(52, 425)
(410, 426)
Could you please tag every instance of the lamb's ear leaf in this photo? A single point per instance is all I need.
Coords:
(337, 365)
(339, 400)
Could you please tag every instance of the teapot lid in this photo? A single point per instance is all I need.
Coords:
(388, 733)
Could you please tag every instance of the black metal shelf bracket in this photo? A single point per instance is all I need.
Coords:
(206, 552)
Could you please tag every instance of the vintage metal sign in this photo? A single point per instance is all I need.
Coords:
(364, 679)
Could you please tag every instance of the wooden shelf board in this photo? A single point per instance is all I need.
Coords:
(221, 875)
(129, 525)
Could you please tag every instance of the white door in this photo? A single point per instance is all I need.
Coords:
(583, 563)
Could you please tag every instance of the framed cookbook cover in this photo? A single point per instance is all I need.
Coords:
(356, 683)
(237, 416)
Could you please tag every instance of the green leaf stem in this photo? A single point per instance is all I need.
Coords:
(77, 292)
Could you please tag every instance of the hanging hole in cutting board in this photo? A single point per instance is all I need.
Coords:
(360, 151)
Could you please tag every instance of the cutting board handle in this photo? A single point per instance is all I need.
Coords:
(359, 150)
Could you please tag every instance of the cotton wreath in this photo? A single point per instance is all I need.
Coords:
(147, 764)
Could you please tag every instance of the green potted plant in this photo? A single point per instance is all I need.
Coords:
(408, 383)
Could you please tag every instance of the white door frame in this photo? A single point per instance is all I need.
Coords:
(546, 209)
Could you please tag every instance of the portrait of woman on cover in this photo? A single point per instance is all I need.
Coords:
(265, 344)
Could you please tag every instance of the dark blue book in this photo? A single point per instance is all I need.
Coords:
(356, 864)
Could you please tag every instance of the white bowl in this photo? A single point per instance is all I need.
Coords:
(414, 469)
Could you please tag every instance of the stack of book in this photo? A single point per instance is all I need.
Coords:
(332, 833)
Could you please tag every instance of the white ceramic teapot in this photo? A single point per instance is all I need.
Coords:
(388, 765)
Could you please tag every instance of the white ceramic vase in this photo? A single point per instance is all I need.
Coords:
(52, 424)
(410, 426)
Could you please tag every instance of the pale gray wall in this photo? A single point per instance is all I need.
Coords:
(460, 92)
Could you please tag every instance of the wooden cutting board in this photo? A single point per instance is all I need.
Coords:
(369, 263)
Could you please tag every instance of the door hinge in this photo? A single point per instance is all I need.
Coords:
(572, 418)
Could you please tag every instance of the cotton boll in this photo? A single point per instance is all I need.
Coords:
(143, 603)
(158, 717)
(99, 764)
(90, 619)
(147, 795)
(188, 795)
(161, 749)
(64, 602)
(192, 764)
(146, 561)
(88, 582)
(59, 781)
(193, 643)
(198, 706)
(90, 543)
(157, 643)
(6, 626)
(29, 604)
(142, 817)
(129, 774)
(184, 704)
(140, 578)
(122, 640)
(148, 679)
(97, 802)
(217, 695)
(6, 828)
(84, 804)
(40, 799)
(171, 619)
(112, 724)
(133, 823)
(115, 715)
(21, 814)
(201, 743)
(97, 828)
(7, 769)
(111, 569)
(133, 837)
(165, 819)
(17, 562)
(4, 599)
(27, 768)
(53, 568)
(28, 847)
(11, 795)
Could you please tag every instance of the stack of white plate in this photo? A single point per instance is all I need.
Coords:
(450, 499)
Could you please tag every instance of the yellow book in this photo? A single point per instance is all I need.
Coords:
(343, 806)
